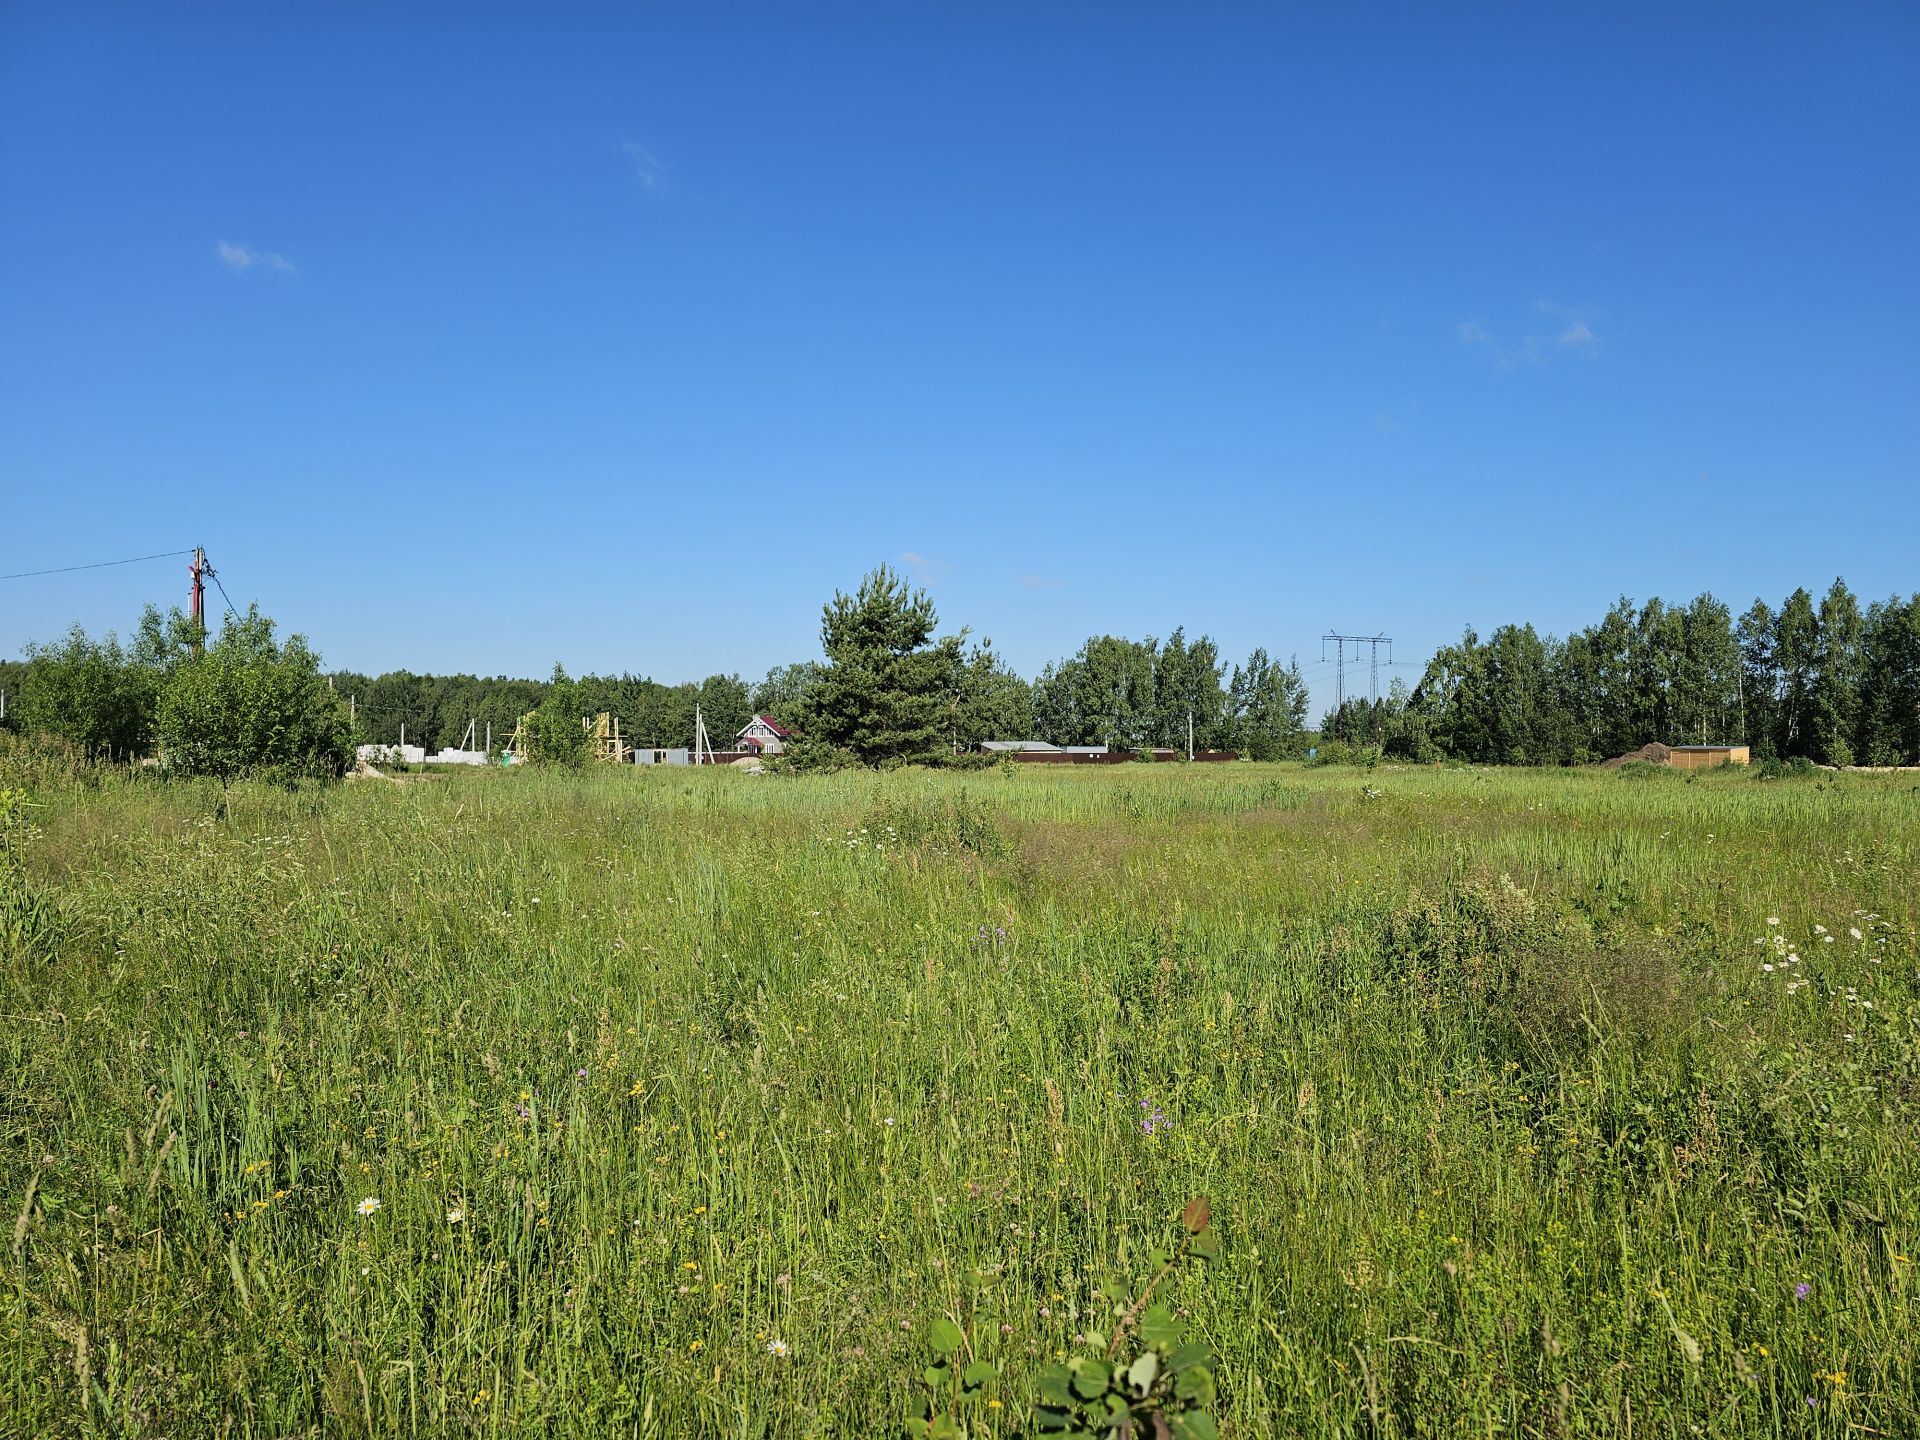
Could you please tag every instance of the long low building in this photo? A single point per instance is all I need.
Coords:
(1039, 752)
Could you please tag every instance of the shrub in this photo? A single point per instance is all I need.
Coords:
(804, 756)
(89, 692)
(249, 706)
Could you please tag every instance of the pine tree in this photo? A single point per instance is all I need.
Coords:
(883, 695)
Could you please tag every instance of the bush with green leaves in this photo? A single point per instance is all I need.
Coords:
(251, 705)
(90, 692)
(554, 733)
(1150, 1381)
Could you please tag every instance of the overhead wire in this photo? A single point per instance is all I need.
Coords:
(97, 565)
(215, 577)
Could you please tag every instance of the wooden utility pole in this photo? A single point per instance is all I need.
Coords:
(198, 598)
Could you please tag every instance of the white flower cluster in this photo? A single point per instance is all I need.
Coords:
(1785, 959)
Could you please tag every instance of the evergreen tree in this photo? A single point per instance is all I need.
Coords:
(883, 694)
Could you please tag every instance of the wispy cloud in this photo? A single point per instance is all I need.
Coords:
(1040, 582)
(927, 570)
(1570, 334)
(239, 257)
(648, 168)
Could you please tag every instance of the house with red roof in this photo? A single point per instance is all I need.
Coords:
(764, 734)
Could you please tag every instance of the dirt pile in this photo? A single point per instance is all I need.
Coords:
(1652, 753)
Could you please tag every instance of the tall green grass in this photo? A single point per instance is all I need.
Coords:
(1506, 1127)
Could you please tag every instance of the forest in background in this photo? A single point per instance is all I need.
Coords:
(1829, 681)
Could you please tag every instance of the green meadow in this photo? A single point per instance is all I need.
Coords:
(677, 1103)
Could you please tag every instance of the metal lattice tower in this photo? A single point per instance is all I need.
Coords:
(1373, 644)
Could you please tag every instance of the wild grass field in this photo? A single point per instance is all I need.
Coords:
(684, 1103)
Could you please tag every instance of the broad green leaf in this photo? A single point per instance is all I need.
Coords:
(1091, 1377)
(1142, 1373)
(1194, 1352)
(1195, 1425)
(1195, 1384)
(1206, 1244)
(978, 1373)
(945, 1336)
(1056, 1385)
(935, 1375)
(1159, 1328)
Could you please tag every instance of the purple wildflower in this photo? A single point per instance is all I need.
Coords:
(1802, 1290)
(1153, 1118)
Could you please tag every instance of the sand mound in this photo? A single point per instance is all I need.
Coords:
(1652, 753)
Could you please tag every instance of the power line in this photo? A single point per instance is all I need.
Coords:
(223, 590)
(98, 565)
(1373, 644)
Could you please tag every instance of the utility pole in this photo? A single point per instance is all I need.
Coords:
(1373, 644)
(702, 745)
(198, 597)
(1189, 735)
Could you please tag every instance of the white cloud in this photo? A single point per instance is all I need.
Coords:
(926, 570)
(647, 167)
(1040, 582)
(239, 257)
(1571, 333)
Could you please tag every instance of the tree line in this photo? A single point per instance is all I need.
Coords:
(1826, 681)
(886, 689)
(240, 702)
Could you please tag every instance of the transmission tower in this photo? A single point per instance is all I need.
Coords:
(1373, 644)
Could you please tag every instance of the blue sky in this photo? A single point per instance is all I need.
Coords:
(480, 338)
